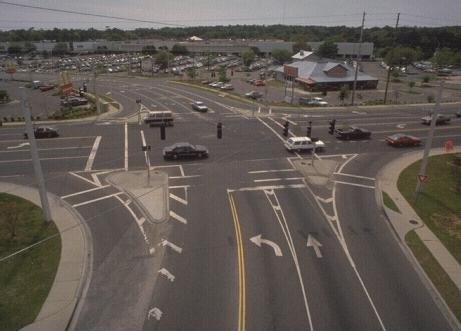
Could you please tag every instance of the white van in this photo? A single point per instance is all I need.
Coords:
(164, 117)
(299, 144)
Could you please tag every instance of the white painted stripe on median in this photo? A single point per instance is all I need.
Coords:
(354, 184)
(96, 200)
(267, 171)
(180, 200)
(177, 217)
(277, 179)
(46, 159)
(83, 192)
(354, 176)
(89, 163)
(263, 188)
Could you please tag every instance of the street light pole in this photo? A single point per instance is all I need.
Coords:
(357, 63)
(389, 67)
(427, 147)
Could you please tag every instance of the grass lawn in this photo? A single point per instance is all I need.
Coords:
(389, 203)
(438, 205)
(438, 276)
(25, 279)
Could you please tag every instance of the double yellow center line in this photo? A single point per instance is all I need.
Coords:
(240, 265)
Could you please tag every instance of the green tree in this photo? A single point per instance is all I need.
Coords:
(248, 57)
(327, 49)
(191, 72)
(256, 50)
(222, 74)
(60, 48)
(15, 50)
(281, 55)
(29, 47)
(301, 44)
(401, 56)
(443, 57)
(162, 58)
(4, 96)
(179, 49)
(344, 93)
(411, 84)
(426, 79)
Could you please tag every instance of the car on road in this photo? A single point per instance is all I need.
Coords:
(216, 84)
(458, 113)
(253, 95)
(352, 132)
(184, 151)
(300, 144)
(312, 101)
(46, 87)
(259, 82)
(162, 117)
(402, 140)
(227, 87)
(43, 132)
(441, 119)
(199, 106)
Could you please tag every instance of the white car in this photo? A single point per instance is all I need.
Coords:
(299, 144)
(199, 106)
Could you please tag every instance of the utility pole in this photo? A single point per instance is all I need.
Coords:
(389, 67)
(35, 160)
(98, 110)
(427, 147)
(357, 63)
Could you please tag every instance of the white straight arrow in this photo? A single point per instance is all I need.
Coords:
(174, 247)
(19, 146)
(257, 240)
(312, 242)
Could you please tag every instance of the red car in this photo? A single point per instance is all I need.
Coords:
(45, 88)
(401, 140)
(259, 83)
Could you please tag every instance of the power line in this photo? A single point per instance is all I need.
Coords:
(87, 14)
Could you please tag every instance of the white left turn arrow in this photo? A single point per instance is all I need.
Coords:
(19, 146)
(258, 240)
(312, 242)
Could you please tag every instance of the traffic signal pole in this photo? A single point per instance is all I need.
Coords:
(427, 148)
(35, 160)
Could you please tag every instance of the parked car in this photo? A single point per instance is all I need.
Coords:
(441, 119)
(47, 87)
(216, 84)
(43, 132)
(352, 132)
(312, 101)
(199, 106)
(253, 95)
(184, 151)
(74, 101)
(259, 82)
(300, 144)
(402, 140)
(458, 113)
(227, 87)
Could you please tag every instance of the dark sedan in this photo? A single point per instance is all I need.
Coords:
(184, 151)
(44, 132)
(402, 140)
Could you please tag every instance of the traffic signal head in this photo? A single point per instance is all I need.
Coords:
(286, 126)
(309, 131)
(162, 132)
(219, 127)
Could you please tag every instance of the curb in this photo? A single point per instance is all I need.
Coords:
(65, 294)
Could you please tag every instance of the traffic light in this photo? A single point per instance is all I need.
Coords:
(332, 126)
(309, 130)
(219, 127)
(286, 128)
(85, 88)
(162, 132)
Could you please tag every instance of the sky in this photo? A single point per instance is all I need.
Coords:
(160, 13)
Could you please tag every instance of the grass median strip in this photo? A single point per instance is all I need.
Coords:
(26, 278)
(389, 203)
(434, 271)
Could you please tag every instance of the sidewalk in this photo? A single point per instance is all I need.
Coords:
(74, 264)
(408, 220)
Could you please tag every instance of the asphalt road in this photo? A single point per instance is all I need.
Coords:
(225, 277)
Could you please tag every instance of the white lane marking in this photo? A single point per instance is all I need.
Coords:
(96, 200)
(312, 242)
(83, 192)
(174, 247)
(177, 177)
(47, 159)
(258, 241)
(167, 274)
(263, 188)
(354, 176)
(280, 125)
(268, 126)
(354, 184)
(82, 178)
(180, 200)
(177, 217)
(46, 149)
(126, 147)
(345, 163)
(276, 179)
(286, 232)
(140, 221)
(155, 313)
(179, 186)
(96, 179)
(18, 146)
(89, 163)
(328, 200)
(54, 139)
(268, 171)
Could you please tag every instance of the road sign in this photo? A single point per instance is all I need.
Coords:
(422, 178)
(448, 145)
